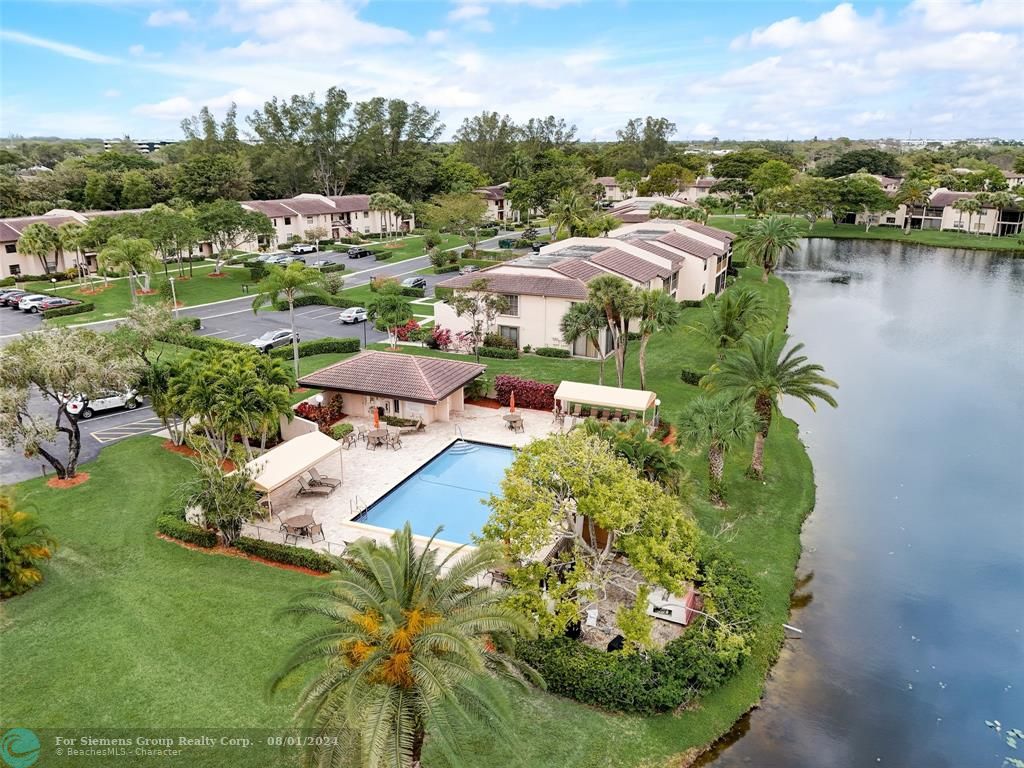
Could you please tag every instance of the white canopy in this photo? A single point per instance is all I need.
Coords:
(604, 397)
(287, 461)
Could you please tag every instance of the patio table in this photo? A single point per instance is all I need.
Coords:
(300, 521)
(377, 436)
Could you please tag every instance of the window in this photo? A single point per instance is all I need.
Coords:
(509, 332)
(396, 406)
(11, 247)
(513, 305)
(15, 269)
(287, 221)
(366, 214)
(674, 283)
(705, 265)
(703, 289)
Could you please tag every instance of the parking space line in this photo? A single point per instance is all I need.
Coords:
(328, 313)
(211, 333)
(110, 434)
(236, 336)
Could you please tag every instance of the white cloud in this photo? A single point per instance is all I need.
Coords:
(435, 36)
(71, 51)
(864, 118)
(840, 26)
(956, 15)
(137, 49)
(111, 93)
(176, 107)
(467, 12)
(169, 18)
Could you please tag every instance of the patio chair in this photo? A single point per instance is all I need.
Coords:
(280, 522)
(313, 490)
(362, 433)
(517, 426)
(349, 440)
(318, 479)
(314, 529)
(290, 532)
(394, 440)
(576, 411)
(617, 415)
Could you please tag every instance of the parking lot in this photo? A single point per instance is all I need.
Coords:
(14, 321)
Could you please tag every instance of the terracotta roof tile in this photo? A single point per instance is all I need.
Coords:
(525, 283)
(628, 265)
(581, 269)
(719, 234)
(657, 250)
(391, 374)
(691, 245)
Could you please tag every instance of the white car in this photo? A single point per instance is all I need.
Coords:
(272, 339)
(31, 302)
(352, 315)
(303, 248)
(86, 408)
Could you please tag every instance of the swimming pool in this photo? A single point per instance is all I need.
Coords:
(448, 490)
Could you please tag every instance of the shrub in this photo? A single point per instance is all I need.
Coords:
(192, 323)
(7, 281)
(407, 332)
(338, 431)
(527, 348)
(416, 293)
(487, 232)
(398, 421)
(325, 416)
(529, 393)
(306, 301)
(634, 336)
(203, 343)
(177, 528)
(478, 388)
(376, 283)
(690, 303)
(257, 272)
(498, 341)
(440, 338)
(662, 430)
(499, 353)
(552, 352)
(318, 347)
(334, 282)
(285, 553)
(446, 268)
(432, 239)
(691, 377)
(493, 255)
(328, 268)
(382, 255)
(74, 309)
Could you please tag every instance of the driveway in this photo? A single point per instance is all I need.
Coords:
(14, 322)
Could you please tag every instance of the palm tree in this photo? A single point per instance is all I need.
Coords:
(24, 544)
(379, 203)
(655, 309)
(971, 205)
(131, 256)
(733, 314)
(760, 372)
(603, 223)
(585, 320)
(617, 300)
(404, 647)
(570, 212)
(716, 424)
(1001, 201)
(694, 213)
(914, 193)
(517, 166)
(288, 284)
(39, 240)
(657, 462)
(765, 241)
(959, 205)
(69, 234)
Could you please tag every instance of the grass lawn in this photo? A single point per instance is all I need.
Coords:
(944, 239)
(411, 247)
(115, 300)
(198, 635)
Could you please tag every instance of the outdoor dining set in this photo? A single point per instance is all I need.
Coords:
(603, 414)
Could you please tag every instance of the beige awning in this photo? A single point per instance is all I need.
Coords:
(287, 461)
(604, 397)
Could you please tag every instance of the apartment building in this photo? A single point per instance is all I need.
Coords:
(612, 192)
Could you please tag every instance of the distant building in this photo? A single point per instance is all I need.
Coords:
(611, 191)
(1014, 180)
(698, 190)
(145, 147)
(497, 207)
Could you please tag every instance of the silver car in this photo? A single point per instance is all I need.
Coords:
(272, 339)
(352, 315)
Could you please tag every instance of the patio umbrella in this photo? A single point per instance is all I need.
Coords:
(512, 402)
(376, 419)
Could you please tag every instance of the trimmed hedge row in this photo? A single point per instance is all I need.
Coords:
(318, 347)
(285, 553)
(691, 377)
(202, 343)
(75, 309)
(499, 353)
(7, 281)
(529, 393)
(332, 268)
(307, 301)
(552, 352)
(173, 526)
(446, 268)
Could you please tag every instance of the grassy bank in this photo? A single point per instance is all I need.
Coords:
(131, 631)
(943, 239)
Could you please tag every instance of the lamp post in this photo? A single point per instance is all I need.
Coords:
(657, 414)
(364, 333)
(174, 298)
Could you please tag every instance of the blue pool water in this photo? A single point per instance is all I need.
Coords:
(449, 490)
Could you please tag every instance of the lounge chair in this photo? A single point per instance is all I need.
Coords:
(412, 428)
(313, 490)
(318, 479)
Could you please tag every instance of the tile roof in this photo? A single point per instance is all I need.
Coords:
(632, 217)
(657, 250)
(494, 192)
(581, 269)
(11, 229)
(397, 375)
(705, 183)
(628, 265)
(719, 234)
(310, 206)
(606, 181)
(525, 284)
(943, 197)
(691, 245)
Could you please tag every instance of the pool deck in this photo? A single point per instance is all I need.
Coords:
(369, 474)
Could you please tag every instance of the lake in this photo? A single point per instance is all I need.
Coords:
(911, 584)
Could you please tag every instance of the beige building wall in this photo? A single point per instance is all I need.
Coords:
(984, 222)
(359, 405)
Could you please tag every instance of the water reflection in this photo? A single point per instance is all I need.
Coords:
(913, 635)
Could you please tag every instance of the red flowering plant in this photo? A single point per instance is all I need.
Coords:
(402, 332)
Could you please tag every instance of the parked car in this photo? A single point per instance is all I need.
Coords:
(30, 302)
(469, 268)
(352, 315)
(322, 263)
(265, 257)
(53, 302)
(272, 339)
(358, 252)
(414, 282)
(89, 407)
(11, 298)
(303, 248)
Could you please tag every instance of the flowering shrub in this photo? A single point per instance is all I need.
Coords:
(529, 393)
(463, 342)
(442, 338)
(324, 415)
(403, 332)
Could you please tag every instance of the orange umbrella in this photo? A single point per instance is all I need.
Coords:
(376, 419)
(512, 403)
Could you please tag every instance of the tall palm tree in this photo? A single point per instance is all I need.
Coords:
(971, 206)
(570, 212)
(603, 223)
(715, 424)
(517, 166)
(39, 240)
(912, 194)
(404, 650)
(760, 372)
(733, 314)
(585, 320)
(617, 300)
(288, 284)
(69, 234)
(131, 256)
(765, 241)
(1001, 201)
(655, 310)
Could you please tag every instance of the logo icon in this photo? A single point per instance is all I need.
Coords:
(19, 748)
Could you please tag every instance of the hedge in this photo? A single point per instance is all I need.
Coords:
(331, 268)
(398, 421)
(382, 255)
(529, 393)
(552, 352)
(338, 431)
(74, 309)
(318, 347)
(7, 281)
(691, 377)
(285, 553)
(491, 255)
(177, 528)
(446, 268)
(310, 300)
(202, 343)
(498, 353)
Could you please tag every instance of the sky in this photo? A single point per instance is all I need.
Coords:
(733, 70)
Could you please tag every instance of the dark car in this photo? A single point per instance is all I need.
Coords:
(414, 282)
(11, 298)
(358, 252)
(56, 302)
